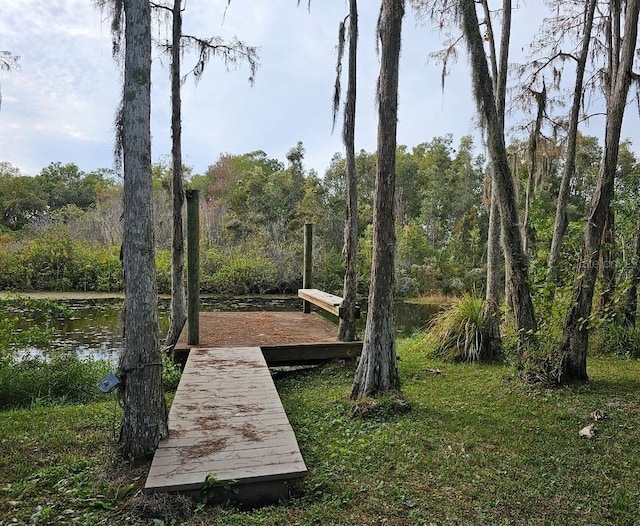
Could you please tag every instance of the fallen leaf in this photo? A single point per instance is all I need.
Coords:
(599, 415)
(588, 431)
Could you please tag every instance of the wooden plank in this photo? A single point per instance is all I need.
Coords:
(188, 481)
(255, 329)
(226, 420)
(300, 354)
(329, 302)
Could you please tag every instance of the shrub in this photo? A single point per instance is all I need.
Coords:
(64, 378)
(171, 373)
(53, 261)
(457, 333)
(617, 339)
(163, 271)
(236, 273)
(328, 272)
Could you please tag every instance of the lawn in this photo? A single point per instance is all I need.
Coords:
(477, 447)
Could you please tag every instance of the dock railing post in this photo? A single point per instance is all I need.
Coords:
(308, 252)
(193, 267)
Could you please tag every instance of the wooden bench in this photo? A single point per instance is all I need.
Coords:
(329, 302)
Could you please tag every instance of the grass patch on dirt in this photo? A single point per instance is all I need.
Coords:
(475, 448)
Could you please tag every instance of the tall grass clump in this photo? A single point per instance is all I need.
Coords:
(31, 379)
(614, 337)
(35, 380)
(457, 333)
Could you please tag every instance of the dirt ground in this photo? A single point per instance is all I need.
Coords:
(254, 329)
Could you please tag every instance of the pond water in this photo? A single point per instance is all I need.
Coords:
(94, 327)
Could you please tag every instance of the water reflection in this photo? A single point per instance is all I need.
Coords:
(94, 328)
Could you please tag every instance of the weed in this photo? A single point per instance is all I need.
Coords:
(458, 332)
(38, 381)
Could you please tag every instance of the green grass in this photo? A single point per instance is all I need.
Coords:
(476, 448)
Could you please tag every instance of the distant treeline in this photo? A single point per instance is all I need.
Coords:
(61, 230)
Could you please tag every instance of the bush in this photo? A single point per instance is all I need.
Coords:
(236, 273)
(171, 373)
(163, 271)
(328, 272)
(53, 261)
(63, 378)
(617, 339)
(457, 333)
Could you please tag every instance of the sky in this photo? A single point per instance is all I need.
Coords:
(60, 105)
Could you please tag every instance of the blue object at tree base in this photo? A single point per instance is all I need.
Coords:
(109, 383)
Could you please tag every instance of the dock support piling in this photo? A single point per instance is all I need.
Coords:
(308, 252)
(193, 267)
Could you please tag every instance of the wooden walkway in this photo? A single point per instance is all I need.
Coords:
(227, 424)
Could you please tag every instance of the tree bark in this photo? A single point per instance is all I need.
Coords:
(377, 371)
(527, 234)
(575, 340)
(499, 66)
(492, 296)
(560, 225)
(347, 324)
(516, 262)
(144, 421)
(178, 315)
(607, 264)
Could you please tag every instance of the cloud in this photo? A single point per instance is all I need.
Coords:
(62, 102)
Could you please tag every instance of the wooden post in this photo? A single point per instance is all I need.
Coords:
(193, 267)
(308, 252)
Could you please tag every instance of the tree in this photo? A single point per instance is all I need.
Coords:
(66, 184)
(499, 65)
(630, 307)
(377, 371)
(515, 259)
(575, 339)
(561, 219)
(627, 208)
(532, 153)
(178, 307)
(8, 62)
(347, 324)
(144, 421)
(231, 54)
(497, 76)
(21, 198)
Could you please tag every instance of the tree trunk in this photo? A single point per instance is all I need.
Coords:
(516, 262)
(561, 220)
(492, 337)
(178, 315)
(144, 421)
(347, 325)
(575, 340)
(527, 234)
(492, 297)
(377, 371)
(607, 265)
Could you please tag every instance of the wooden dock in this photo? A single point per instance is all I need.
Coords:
(286, 338)
(227, 426)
